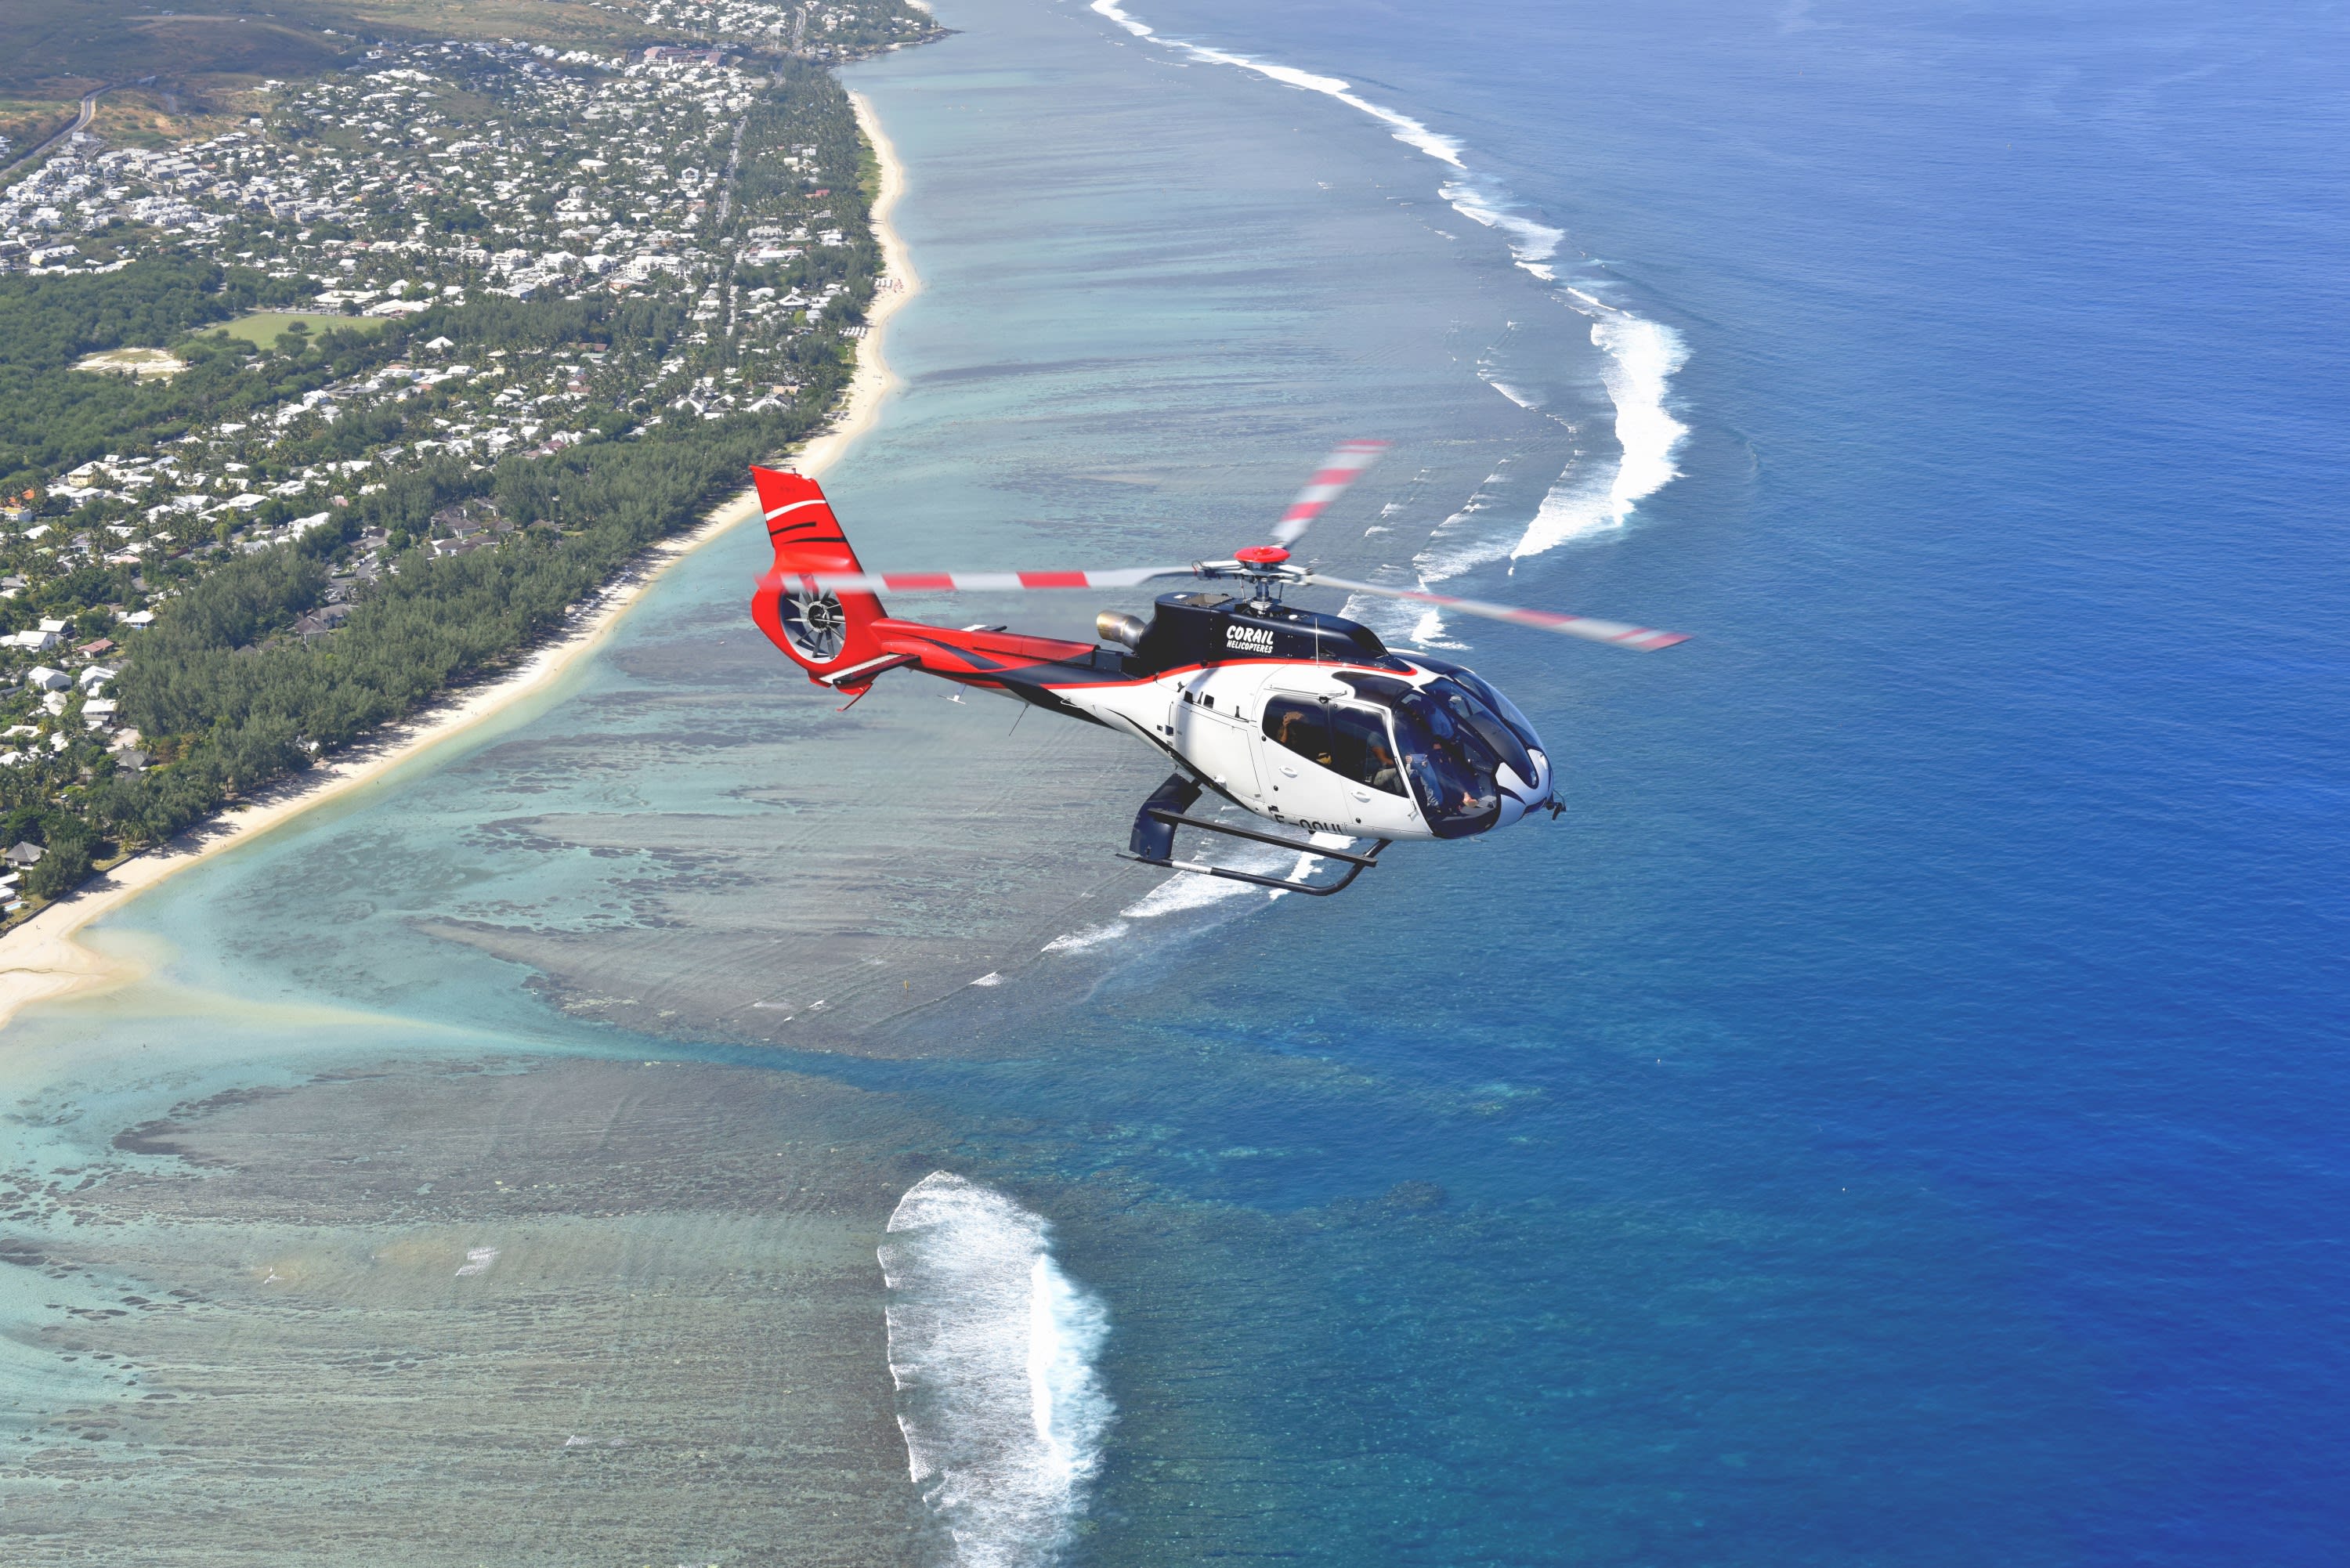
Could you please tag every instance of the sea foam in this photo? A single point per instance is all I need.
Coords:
(1405, 129)
(1642, 354)
(1532, 244)
(993, 1349)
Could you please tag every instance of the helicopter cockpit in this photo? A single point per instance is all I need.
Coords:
(1453, 745)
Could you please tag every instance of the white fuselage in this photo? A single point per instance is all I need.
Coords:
(1223, 723)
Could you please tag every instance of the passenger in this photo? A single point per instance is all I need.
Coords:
(1305, 734)
(1384, 775)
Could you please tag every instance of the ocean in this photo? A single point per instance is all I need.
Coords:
(1894, 1116)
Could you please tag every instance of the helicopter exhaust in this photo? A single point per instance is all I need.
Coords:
(1118, 626)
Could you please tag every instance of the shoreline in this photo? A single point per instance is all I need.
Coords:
(41, 962)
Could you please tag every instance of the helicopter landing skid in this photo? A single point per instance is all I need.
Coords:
(1163, 813)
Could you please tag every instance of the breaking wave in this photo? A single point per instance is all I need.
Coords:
(1532, 244)
(1406, 129)
(1185, 891)
(1191, 890)
(1642, 355)
(993, 1349)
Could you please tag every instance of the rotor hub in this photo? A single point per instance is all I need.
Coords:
(1261, 555)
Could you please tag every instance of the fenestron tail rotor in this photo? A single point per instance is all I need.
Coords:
(815, 624)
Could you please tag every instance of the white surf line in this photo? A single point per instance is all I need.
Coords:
(1185, 891)
(1642, 357)
(1407, 131)
(1643, 354)
(994, 1352)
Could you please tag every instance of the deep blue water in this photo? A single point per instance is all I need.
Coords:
(1922, 1130)
(1894, 1116)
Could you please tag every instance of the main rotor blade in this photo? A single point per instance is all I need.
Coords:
(1339, 470)
(975, 582)
(1640, 638)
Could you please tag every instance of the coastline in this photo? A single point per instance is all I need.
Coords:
(41, 962)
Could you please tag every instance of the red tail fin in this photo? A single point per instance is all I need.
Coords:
(823, 633)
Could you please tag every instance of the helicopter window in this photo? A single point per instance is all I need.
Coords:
(1492, 697)
(1380, 689)
(1486, 692)
(1301, 725)
(1361, 749)
(1448, 711)
(1473, 716)
(1450, 767)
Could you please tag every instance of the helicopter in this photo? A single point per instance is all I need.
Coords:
(1302, 719)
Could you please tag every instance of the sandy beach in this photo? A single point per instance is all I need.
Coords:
(41, 960)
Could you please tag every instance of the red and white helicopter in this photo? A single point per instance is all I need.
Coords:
(1304, 718)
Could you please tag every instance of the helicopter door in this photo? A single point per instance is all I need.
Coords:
(1218, 746)
(1335, 761)
(1300, 759)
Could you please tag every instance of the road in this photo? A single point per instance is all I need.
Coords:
(81, 122)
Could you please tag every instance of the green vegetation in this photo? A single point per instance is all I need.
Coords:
(262, 328)
(53, 416)
(25, 123)
(245, 710)
(603, 317)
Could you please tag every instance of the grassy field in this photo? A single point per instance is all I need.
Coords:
(263, 326)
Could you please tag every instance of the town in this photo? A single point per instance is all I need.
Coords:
(427, 309)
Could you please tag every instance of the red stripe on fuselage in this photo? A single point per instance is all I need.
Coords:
(922, 639)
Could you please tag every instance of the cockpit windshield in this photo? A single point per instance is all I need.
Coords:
(1486, 692)
(1452, 746)
(1492, 697)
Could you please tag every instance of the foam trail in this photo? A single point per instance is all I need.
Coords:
(1091, 937)
(1456, 544)
(1187, 890)
(1407, 131)
(993, 1349)
(1519, 396)
(1642, 355)
(1531, 244)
